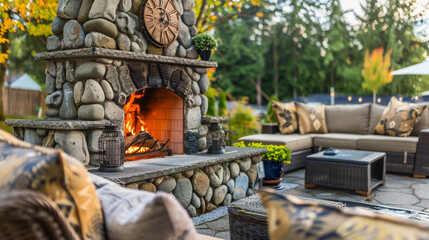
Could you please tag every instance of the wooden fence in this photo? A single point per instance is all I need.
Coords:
(22, 102)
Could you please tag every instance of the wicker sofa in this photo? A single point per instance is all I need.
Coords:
(351, 127)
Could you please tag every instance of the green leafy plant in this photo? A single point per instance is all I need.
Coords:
(271, 117)
(242, 122)
(222, 107)
(279, 153)
(205, 41)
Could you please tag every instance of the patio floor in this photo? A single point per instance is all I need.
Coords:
(399, 191)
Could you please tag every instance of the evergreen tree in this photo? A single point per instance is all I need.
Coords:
(390, 24)
(222, 107)
(270, 117)
(211, 97)
(240, 56)
(341, 61)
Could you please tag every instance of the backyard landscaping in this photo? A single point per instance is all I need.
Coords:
(155, 127)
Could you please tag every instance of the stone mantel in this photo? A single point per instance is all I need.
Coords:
(57, 124)
(122, 55)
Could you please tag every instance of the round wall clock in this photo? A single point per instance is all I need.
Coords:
(160, 22)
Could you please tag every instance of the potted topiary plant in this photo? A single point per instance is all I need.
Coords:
(205, 43)
(273, 160)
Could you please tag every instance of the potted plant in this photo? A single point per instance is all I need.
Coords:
(273, 160)
(205, 43)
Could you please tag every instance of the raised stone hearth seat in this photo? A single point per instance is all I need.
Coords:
(352, 127)
(102, 51)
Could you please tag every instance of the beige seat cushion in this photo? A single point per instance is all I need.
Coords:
(135, 214)
(294, 142)
(375, 116)
(387, 143)
(348, 118)
(424, 121)
(337, 140)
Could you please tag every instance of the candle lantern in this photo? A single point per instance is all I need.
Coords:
(112, 150)
(217, 138)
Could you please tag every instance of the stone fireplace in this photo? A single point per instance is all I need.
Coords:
(101, 56)
(104, 67)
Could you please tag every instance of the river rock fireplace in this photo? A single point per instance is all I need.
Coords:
(107, 63)
(134, 65)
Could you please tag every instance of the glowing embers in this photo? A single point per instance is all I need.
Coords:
(137, 137)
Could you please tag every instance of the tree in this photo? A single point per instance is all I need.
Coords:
(33, 16)
(298, 45)
(242, 45)
(212, 13)
(376, 71)
(391, 25)
(211, 97)
(341, 54)
(222, 107)
(271, 116)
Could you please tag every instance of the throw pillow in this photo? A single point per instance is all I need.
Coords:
(133, 214)
(311, 119)
(291, 218)
(399, 118)
(58, 176)
(286, 116)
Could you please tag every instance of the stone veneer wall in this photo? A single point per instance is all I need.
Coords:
(204, 189)
(95, 87)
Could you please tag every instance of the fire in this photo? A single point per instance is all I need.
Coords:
(133, 122)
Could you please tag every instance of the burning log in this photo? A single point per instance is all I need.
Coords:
(143, 140)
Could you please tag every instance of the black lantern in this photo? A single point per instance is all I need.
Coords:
(112, 150)
(217, 139)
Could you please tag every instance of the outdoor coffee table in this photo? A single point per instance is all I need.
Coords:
(356, 170)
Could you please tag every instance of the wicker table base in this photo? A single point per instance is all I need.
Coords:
(360, 171)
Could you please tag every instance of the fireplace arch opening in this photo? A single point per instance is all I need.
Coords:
(158, 112)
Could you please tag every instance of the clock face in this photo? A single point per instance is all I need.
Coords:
(160, 22)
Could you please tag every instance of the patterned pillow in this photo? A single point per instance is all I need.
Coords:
(311, 118)
(286, 116)
(134, 214)
(399, 118)
(58, 176)
(291, 218)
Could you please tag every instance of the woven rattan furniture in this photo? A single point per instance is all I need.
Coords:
(360, 171)
(248, 218)
(31, 215)
(351, 127)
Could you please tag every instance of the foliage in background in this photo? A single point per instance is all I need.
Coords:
(205, 41)
(211, 97)
(315, 48)
(242, 122)
(279, 153)
(240, 56)
(222, 106)
(212, 13)
(32, 16)
(376, 72)
(391, 25)
(270, 117)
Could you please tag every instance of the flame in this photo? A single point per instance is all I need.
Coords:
(133, 122)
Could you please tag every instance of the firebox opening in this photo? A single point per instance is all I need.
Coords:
(153, 118)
